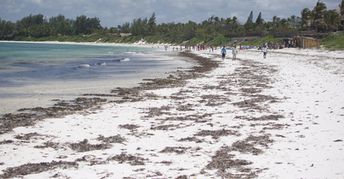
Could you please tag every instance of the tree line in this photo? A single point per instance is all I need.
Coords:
(38, 26)
(213, 30)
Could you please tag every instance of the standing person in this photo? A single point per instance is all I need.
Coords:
(265, 51)
(234, 52)
(223, 52)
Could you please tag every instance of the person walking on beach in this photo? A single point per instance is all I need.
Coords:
(223, 52)
(234, 52)
(265, 51)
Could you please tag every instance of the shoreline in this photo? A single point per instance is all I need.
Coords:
(43, 93)
(60, 108)
(279, 117)
(138, 44)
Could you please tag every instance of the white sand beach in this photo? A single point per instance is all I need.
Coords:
(280, 117)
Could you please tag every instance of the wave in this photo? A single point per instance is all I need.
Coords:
(135, 53)
(121, 60)
(130, 52)
(85, 65)
(125, 60)
(24, 63)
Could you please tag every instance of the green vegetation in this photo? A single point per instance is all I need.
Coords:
(214, 31)
(334, 41)
(259, 41)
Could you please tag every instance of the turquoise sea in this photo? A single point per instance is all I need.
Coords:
(27, 63)
(34, 73)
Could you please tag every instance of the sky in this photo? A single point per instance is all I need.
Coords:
(116, 12)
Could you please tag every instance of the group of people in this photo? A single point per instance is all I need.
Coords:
(224, 52)
(264, 49)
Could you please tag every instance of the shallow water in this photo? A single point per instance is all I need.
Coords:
(32, 74)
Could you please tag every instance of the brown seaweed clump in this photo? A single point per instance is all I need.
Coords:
(32, 168)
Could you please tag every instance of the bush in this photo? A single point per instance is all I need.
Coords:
(219, 40)
(334, 41)
(262, 40)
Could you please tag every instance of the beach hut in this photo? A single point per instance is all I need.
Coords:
(306, 42)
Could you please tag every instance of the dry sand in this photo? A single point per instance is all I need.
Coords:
(280, 117)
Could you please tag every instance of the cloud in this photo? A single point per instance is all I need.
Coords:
(39, 2)
(115, 12)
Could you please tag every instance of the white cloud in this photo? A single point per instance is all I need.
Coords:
(37, 1)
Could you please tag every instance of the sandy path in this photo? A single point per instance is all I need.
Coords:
(252, 118)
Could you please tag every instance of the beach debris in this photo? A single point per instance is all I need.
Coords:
(50, 144)
(158, 111)
(261, 118)
(182, 177)
(92, 160)
(185, 107)
(251, 144)
(247, 83)
(177, 150)
(29, 116)
(214, 100)
(129, 126)
(165, 127)
(84, 146)
(166, 162)
(28, 136)
(32, 168)
(6, 142)
(225, 164)
(112, 139)
(191, 139)
(200, 118)
(127, 158)
(215, 134)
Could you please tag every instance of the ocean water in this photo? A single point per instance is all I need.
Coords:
(32, 74)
